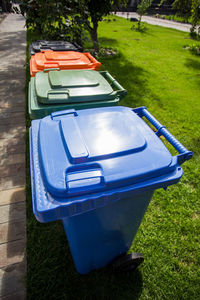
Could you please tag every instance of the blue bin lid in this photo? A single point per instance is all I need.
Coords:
(83, 159)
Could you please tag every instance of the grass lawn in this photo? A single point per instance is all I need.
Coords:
(160, 74)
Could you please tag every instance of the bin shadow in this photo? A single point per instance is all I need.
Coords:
(109, 42)
(194, 64)
(133, 78)
(51, 272)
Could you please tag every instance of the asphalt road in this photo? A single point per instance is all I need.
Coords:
(156, 21)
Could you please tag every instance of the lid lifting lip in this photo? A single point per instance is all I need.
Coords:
(84, 180)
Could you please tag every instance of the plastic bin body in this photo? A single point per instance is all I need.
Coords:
(78, 89)
(43, 45)
(100, 235)
(96, 170)
(62, 60)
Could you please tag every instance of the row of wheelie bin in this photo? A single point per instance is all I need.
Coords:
(94, 165)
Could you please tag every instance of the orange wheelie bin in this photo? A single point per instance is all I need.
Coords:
(63, 60)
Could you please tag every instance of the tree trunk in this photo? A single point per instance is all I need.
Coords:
(139, 21)
(93, 34)
(4, 6)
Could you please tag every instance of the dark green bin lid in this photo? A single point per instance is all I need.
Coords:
(76, 86)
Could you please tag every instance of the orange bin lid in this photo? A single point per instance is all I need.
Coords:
(63, 60)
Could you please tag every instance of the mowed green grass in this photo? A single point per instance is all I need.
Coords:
(159, 74)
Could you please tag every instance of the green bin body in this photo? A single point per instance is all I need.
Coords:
(66, 89)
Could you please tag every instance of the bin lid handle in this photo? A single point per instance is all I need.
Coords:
(84, 180)
(58, 95)
(184, 153)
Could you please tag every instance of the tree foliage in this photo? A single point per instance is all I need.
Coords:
(195, 12)
(183, 8)
(142, 8)
(6, 5)
(49, 18)
(188, 8)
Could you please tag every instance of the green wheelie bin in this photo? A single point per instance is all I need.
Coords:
(58, 90)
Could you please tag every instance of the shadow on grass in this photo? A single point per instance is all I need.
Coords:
(52, 275)
(144, 30)
(193, 63)
(107, 42)
(132, 77)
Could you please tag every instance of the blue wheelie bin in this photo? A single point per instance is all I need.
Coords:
(96, 170)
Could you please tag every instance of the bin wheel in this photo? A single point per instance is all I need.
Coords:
(127, 262)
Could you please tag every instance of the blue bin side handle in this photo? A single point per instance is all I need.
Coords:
(161, 130)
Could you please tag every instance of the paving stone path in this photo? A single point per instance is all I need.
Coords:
(12, 158)
(156, 21)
